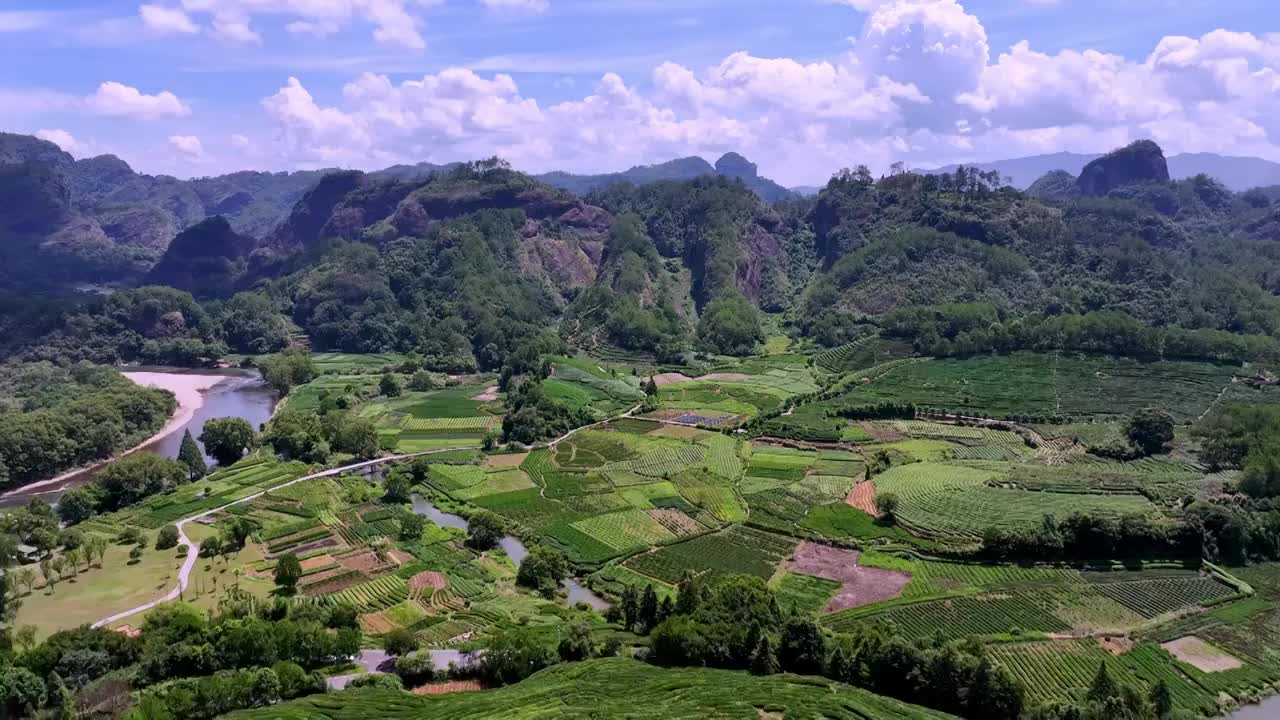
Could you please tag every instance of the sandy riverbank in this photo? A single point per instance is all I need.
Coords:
(188, 390)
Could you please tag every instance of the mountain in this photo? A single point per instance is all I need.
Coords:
(114, 223)
(1141, 162)
(730, 165)
(1236, 173)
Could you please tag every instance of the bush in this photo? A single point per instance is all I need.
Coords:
(167, 537)
(382, 681)
(400, 642)
(415, 669)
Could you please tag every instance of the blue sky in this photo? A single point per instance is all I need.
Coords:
(802, 86)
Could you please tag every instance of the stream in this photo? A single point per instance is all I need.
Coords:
(512, 545)
(1265, 710)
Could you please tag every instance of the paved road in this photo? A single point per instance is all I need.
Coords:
(193, 550)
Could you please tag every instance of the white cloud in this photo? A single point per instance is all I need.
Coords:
(241, 142)
(918, 84)
(167, 20)
(113, 98)
(62, 139)
(24, 20)
(190, 146)
(516, 7)
(233, 21)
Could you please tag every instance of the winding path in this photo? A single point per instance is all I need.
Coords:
(193, 550)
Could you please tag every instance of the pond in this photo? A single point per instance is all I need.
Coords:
(512, 545)
(241, 394)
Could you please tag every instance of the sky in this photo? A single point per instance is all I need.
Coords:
(801, 87)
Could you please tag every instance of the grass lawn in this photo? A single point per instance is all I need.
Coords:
(102, 591)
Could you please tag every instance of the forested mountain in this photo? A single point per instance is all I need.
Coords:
(1236, 173)
(458, 264)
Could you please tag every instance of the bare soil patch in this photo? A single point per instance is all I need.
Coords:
(1116, 645)
(331, 581)
(399, 557)
(508, 460)
(860, 585)
(676, 521)
(1201, 655)
(671, 378)
(881, 433)
(376, 624)
(452, 686)
(863, 497)
(361, 561)
(330, 541)
(428, 579)
(489, 395)
(318, 561)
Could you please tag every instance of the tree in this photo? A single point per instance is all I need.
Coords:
(389, 386)
(298, 435)
(397, 488)
(513, 655)
(167, 537)
(355, 435)
(134, 478)
(803, 649)
(46, 570)
(887, 505)
(61, 701)
(542, 570)
(1162, 700)
(484, 529)
(415, 668)
(382, 681)
(422, 381)
(135, 554)
(1103, 686)
(287, 370)
(97, 545)
(78, 504)
(763, 660)
(58, 565)
(575, 645)
(411, 527)
(227, 439)
(27, 577)
(400, 641)
(22, 692)
(189, 454)
(648, 609)
(288, 572)
(1150, 431)
(730, 324)
(72, 557)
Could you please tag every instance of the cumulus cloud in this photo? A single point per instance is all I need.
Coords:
(113, 98)
(188, 145)
(167, 20)
(62, 139)
(918, 84)
(233, 21)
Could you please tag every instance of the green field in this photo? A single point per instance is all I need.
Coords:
(614, 687)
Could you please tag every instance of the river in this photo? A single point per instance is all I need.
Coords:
(512, 545)
(1266, 710)
(240, 394)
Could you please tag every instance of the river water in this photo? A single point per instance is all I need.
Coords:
(242, 395)
(1268, 709)
(512, 545)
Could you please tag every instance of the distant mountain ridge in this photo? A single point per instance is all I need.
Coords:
(730, 165)
(1236, 173)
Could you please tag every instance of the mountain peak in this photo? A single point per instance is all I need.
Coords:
(1141, 161)
(735, 165)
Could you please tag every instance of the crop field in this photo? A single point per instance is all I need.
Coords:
(372, 596)
(495, 483)
(1049, 385)
(626, 530)
(480, 423)
(612, 687)
(956, 617)
(806, 593)
(660, 462)
(1152, 598)
(738, 550)
(342, 363)
(955, 502)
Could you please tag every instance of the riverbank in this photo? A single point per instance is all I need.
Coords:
(189, 390)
